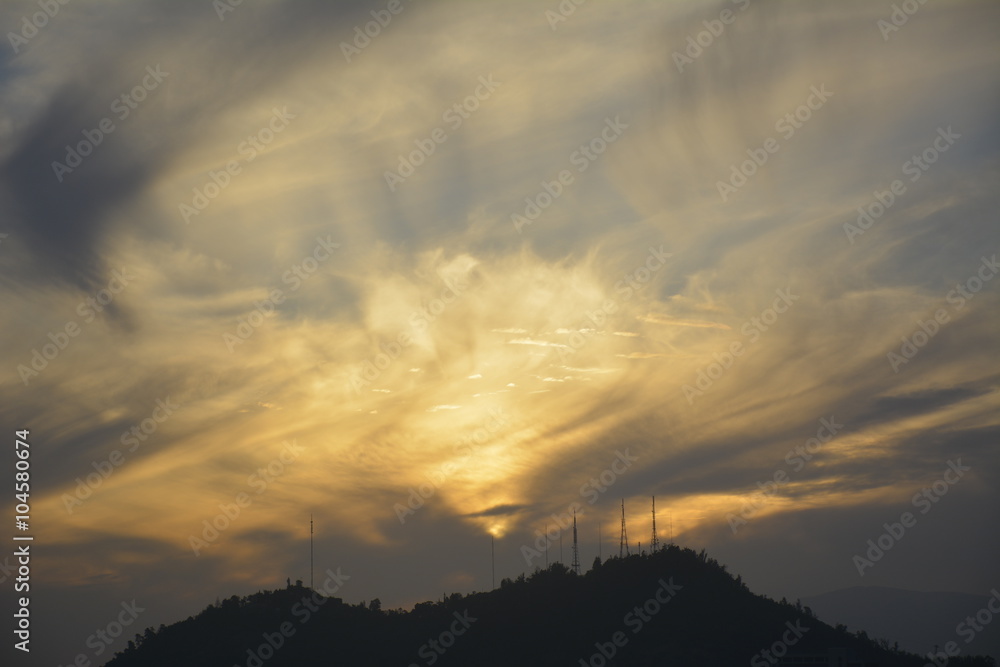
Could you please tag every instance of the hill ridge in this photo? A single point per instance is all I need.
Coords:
(674, 606)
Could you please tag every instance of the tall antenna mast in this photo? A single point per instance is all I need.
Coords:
(493, 561)
(623, 540)
(655, 544)
(670, 518)
(576, 548)
(547, 545)
(600, 541)
(311, 551)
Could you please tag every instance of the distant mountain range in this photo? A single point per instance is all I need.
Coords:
(918, 621)
(673, 607)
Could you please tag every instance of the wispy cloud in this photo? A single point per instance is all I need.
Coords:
(387, 361)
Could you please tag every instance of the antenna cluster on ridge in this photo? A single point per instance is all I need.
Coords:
(576, 548)
(654, 545)
(623, 546)
(623, 540)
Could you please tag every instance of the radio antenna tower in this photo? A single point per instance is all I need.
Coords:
(576, 548)
(311, 551)
(623, 541)
(655, 544)
(493, 562)
(547, 545)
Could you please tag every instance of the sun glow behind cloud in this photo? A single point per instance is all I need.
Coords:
(391, 362)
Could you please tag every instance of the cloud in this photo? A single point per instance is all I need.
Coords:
(659, 319)
(437, 347)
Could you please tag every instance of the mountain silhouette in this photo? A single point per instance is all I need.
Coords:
(672, 607)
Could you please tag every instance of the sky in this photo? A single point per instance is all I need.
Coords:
(442, 283)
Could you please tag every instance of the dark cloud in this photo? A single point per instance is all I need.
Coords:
(499, 510)
(568, 418)
(890, 408)
(64, 221)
